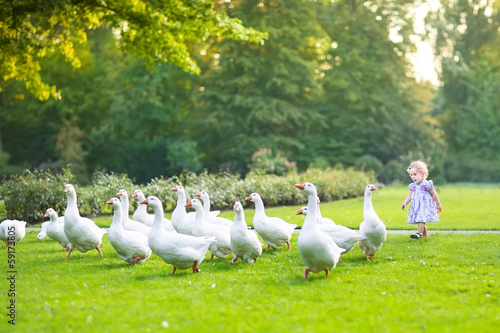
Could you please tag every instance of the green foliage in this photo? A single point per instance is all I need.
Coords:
(470, 64)
(36, 195)
(92, 199)
(182, 155)
(254, 96)
(470, 167)
(7, 169)
(335, 184)
(155, 31)
(368, 162)
(330, 85)
(28, 195)
(265, 161)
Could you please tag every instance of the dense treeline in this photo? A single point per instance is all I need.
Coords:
(328, 87)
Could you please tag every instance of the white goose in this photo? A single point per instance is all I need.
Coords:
(372, 229)
(245, 243)
(181, 251)
(141, 213)
(130, 246)
(43, 231)
(129, 224)
(82, 233)
(12, 231)
(181, 220)
(211, 216)
(343, 236)
(222, 245)
(55, 228)
(318, 251)
(273, 230)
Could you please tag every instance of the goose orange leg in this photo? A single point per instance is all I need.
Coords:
(326, 271)
(69, 253)
(306, 273)
(173, 272)
(233, 261)
(268, 247)
(195, 267)
(99, 250)
(136, 260)
(288, 243)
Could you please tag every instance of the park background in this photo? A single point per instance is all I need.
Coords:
(153, 89)
(239, 96)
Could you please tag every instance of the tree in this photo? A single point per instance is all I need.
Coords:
(468, 46)
(258, 96)
(115, 114)
(369, 90)
(155, 31)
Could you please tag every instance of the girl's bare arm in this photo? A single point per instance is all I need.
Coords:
(436, 199)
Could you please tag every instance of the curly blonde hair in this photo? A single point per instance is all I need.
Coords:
(421, 166)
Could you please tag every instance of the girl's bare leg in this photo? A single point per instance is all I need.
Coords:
(422, 229)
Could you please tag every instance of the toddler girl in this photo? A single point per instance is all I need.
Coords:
(425, 204)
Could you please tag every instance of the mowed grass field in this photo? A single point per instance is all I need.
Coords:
(446, 283)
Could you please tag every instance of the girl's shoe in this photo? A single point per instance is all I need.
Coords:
(416, 235)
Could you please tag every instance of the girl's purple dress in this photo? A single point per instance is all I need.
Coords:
(422, 207)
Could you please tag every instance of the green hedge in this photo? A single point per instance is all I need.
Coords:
(28, 195)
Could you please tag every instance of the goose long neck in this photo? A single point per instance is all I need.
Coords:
(206, 206)
(312, 210)
(200, 215)
(141, 208)
(125, 205)
(71, 205)
(318, 211)
(239, 219)
(259, 207)
(117, 217)
(158, 220)
(181, 198)
(368, 206)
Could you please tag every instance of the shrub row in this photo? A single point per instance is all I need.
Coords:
(28, 195)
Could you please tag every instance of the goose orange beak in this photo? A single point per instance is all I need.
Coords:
(301, 186)
(249, 197)
(188, 204)
(198, 194)
(298, 212)
(174, 189)
(109, 202)
(145, 201)
(134, 195)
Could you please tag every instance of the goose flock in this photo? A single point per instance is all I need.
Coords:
(184, 241)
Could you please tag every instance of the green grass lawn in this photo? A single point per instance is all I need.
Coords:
(446, 283)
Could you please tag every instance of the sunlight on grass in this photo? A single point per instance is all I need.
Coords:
(446, 280)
